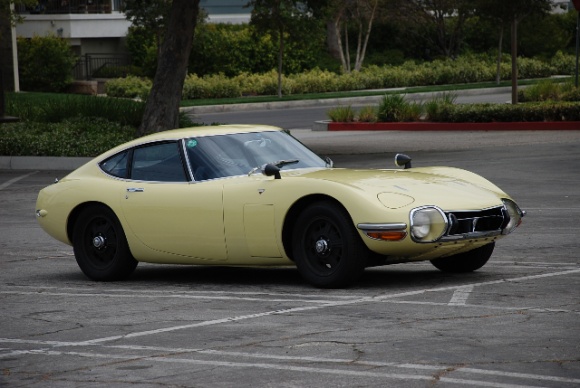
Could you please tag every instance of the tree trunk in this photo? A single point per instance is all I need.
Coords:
(515, 61)
(499, 50)
(280, 60)
(332, 40)
(162, 108)
(360, 60)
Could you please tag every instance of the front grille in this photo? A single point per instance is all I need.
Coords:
(464, 224)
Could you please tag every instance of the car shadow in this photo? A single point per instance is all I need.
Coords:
(390, 277)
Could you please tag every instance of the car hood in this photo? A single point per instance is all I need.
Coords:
(449, 188)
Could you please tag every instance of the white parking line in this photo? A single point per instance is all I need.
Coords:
(292, 368)
(14, 180)
(370, 299)
(460, 296)
(167, 352)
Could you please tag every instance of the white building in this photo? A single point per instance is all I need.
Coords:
(96, 29)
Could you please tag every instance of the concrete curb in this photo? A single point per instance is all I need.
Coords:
(329, 101)
(41, 163)
(327, 125)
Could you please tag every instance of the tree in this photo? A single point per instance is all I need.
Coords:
(162, 107)
(446, 18)
(511, 13)
(281, 18)
(357, 13)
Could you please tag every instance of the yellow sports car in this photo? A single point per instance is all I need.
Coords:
(253, 195)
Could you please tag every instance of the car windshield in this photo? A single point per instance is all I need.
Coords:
(230, 155)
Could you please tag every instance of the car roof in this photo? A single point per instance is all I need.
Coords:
(182, 133)
(206, 131)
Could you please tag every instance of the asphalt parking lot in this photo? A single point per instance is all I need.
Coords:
(514, 323)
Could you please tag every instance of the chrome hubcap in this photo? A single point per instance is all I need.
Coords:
(99, 242)
(321, 247)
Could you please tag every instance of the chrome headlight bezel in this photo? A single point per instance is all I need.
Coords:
(427, 224)
(515, 215)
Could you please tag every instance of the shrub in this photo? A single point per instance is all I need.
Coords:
(572, 95)
(341, 114)
(260, 84)
(394, 108)
(80, 136)
(129, 87)
(542, 91)
(485, 113)
(563, 64)
(367, 114)
(45, 63)
(213, 86)
(57, 108)
(434, 106)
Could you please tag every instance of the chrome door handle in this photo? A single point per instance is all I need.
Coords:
(135, 190)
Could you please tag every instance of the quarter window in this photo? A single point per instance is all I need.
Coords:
(116, 165)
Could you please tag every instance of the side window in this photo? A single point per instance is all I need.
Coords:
(159, 162)
(116, 165)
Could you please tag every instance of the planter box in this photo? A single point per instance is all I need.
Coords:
(418, 126)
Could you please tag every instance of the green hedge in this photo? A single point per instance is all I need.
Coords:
(80, 136)
(395, 108)
(485, 113)
(466, 69)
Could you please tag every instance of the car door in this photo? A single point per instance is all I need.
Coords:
(250, 217)
(169, 213)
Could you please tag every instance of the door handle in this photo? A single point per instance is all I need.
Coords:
(135, 190)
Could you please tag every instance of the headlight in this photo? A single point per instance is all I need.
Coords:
(515, 216)
(428, 224)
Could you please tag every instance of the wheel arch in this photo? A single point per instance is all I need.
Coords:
(294, 211)
(74, 215)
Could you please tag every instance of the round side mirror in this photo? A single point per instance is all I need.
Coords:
(402, 160)
(271, 170)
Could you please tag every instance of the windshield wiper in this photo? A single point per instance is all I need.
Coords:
(282, 163)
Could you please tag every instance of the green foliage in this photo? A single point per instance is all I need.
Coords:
(442, 108)
(79, 136)
(394, 108)
(128, 87)
(213, 86)
(341, 114)
(563, 64)
(542, 91)
(56, 108)
(70, 125)
(485, 113)
(45, 63)
(550, 90)
(236, 49)
(367, 114)
(465, 69)
(434, 106)
(228, 49)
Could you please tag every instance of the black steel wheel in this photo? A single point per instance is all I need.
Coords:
(327, 249)
(465, 262)
(100, 245)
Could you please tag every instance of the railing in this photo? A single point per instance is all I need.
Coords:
(72, 6)
(99, 65)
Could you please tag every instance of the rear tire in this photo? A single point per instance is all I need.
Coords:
(327, 249)
(465, 262)
(100, 245)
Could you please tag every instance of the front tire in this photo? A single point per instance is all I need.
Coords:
(100, 245)
(327, 249)
(466, 261)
